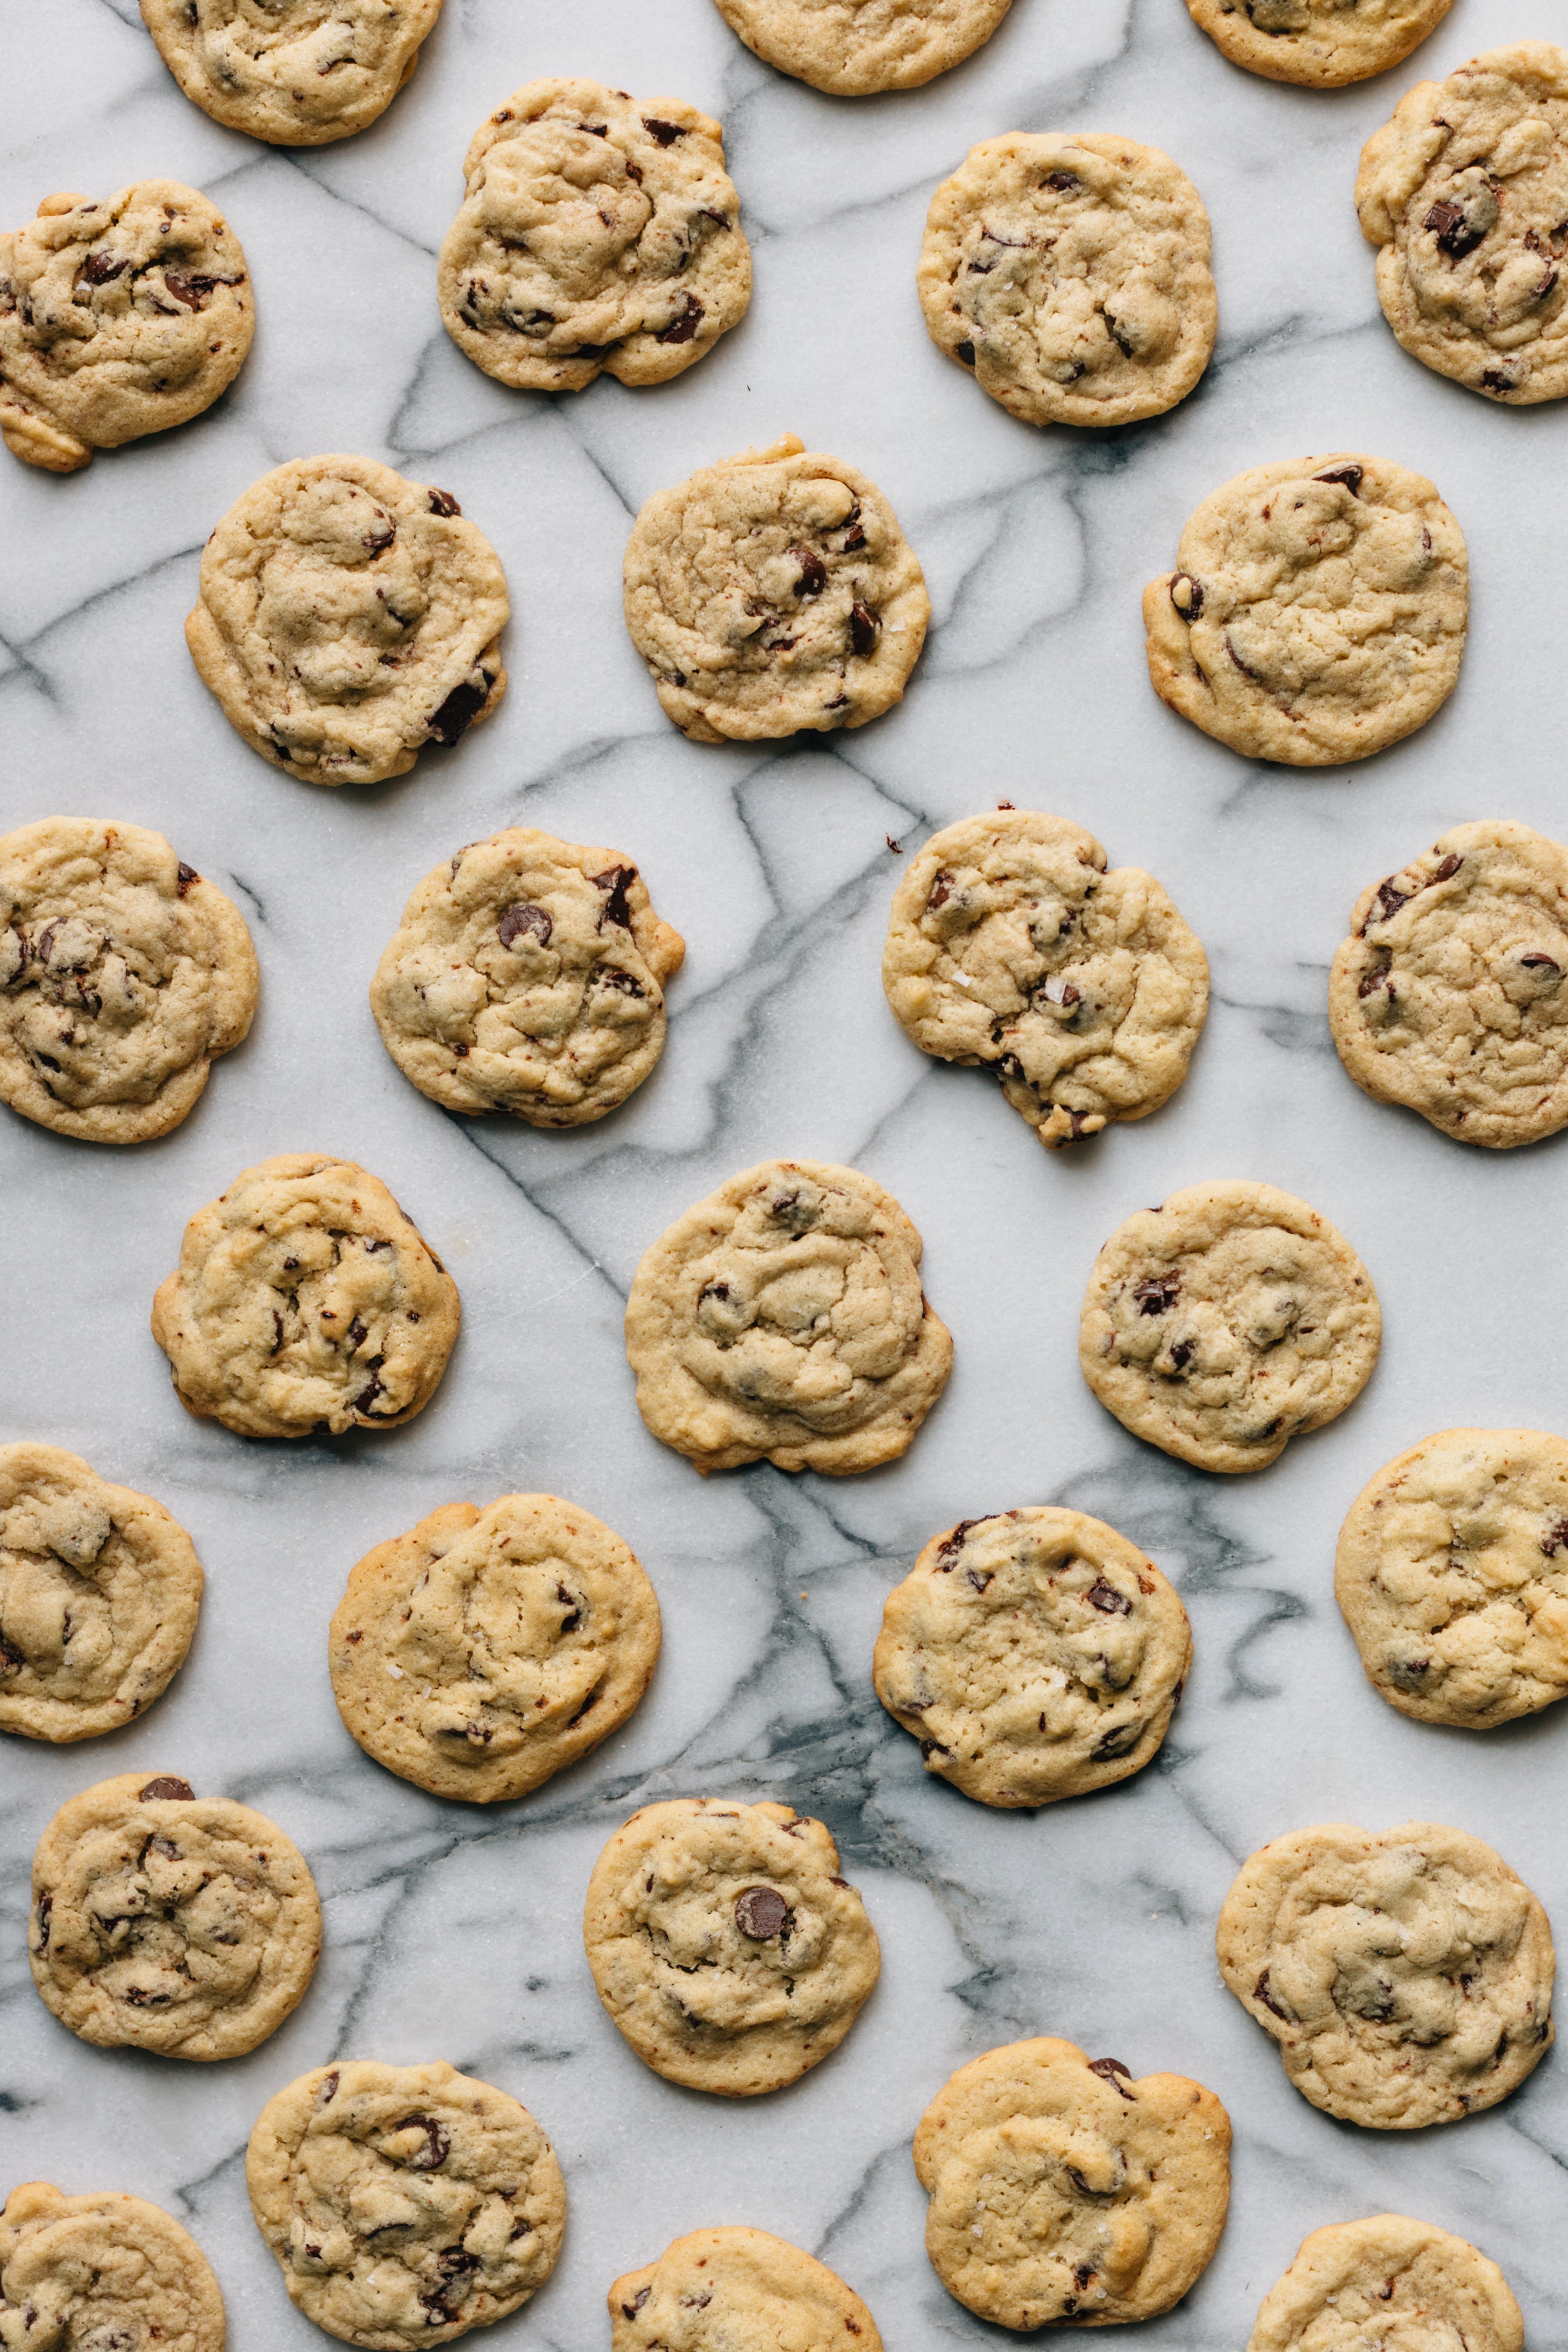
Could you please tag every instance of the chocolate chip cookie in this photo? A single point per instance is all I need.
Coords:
(737, 2290)
(1321, 43)
(1388, 2281)
(852, 47)
(291, 71)
(100, 2272)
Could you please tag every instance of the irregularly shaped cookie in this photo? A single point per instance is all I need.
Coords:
(1227, 1321)
(1071, 273)
(347, 619)
(782, 1319)
(852, 47)
(1317, 614)
(405, 2204)
(1062, 2189)
(528, 976)
(599, 231)
(724, 1944)
(1322, 42)
(1406, 1973)
(771, 592)
(305, 1300)
(1450, 995)
(100, 2272)
(292, 72)
(170, 1921)
(737, 2290)
(1009, 944)
(1405, 2285)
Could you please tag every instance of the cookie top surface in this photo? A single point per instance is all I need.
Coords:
(528, 976)
(725, 1945)
(292, 72)
(1317, 612)
(304, 1300)
(105, 2270)
(1320, 43)
(852, 47)
(782, 1319)
(481, 1652)
(1071, 273)
(98, 1593)
(185, 1925)
(1226, 1322)
(598, 232)
(1406, 1973)
(1034, 1654)
(1009, 944)
(1406, 2285)
(771, 592)
(405, 2204)
(117, 317)
(348, 619)
(1465, 192)
(1062, 2189)
(737, 2290)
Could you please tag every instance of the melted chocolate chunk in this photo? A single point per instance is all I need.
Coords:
(1187, 596)
(458, 713)
(521, 921)
(442, 502)
(1455, 231)
(183, 879)
(1062, 181)
(1106, 1598)
(438, 2142)
(1157, 1294)
(812, 572)
(1109, 2068)
(947, 1552)
(615, 881)
(1260, 1993)
(966, 353)
(686, 321)
(761, 1913)
(666, 133)
(192, 292)
(865, 629)
(167, 1784)
(1351, 476)
(99, 268)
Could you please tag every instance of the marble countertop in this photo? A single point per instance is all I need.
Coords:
(455, 1931)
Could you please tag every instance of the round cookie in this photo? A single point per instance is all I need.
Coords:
(1321, 44)
(1063, 2191)
(771, 592)
(482, 1652)
(169, 1922)
(291, 71)
(1009, 944)
(1227, 1321)
(782, 1319)
(347, 619)
(598, 232)
(1404, 2286)
(1072, 274)
(304, 1300)
(1406, 1973)
(1317, 613)
(737, 2290)
(725, 1945)
(853, 48)
(117, 319)
(1465, 194)
(528, 976)
(405, 2204)
(1034, 1654)
(1449, 997)
(103, 2271)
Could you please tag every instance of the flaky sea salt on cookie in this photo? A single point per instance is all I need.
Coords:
(292, 72)
(853, 48)
(104, 2272)
(1322, 44)
(737, 2290)
(1404, 2286)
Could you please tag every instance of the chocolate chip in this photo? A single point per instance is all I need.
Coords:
(376, 542)
(1157, 1293)
(631, 2309)
(966, 353)
(1455, 231)
(99, 267)
(183, 879)
(616, 882)
(930, 1748)
(1109, 2068)
(812, 572)
(1494, 380)
(625, 983)
(951, 1544)
(761, 1913)
(1062, 181)
(166, 1785)
(1539, 963)
(1348, 474)
(666, 133)
(686, 321)
(45, 1905)
(369, 1394)
(357, 1334)
(1186, 595)
(442, 502)
(1106, 1598)
(1182, 1354)
(1389, 899)
(1450, 867)
(981, 1577)
(462, 707)
(1555, 1538)
(192, 292)
(1260, 1993)
(1371, 981)
(863, 630)
(519, 921)
(1119, 1741)
(438, 2142)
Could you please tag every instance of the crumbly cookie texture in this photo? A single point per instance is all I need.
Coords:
(1465, 195)
(102, 2272)
(405, 2204)
(528, 976)
(305, 1300)
(1317, 612)
(771, 592)
(1406, 1973)
(737, 2290)
(1010, 945)
(1450, 995)
(724, 1944)
(1227, 1321)
(782, 1319)
(292, 72)
(1062, 2189)
(170, 1921)
(348, 619)
(1403, 2284)
(853, 48)
(1322, 44)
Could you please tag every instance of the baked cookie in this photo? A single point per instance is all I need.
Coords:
(102, 2272)
(1406, 1973)
(304, 1300)
(528, 976)
(482, 1652)
(737, 2290)
(1322, 44)
(170, 1921)
(1009, 944)
(1317, 614)
(852, 47)
(1227, 1321)
(782, 1319)
(347, 619)
(724, 1944)
(1401, 2284)
(771, 592)
(405, 2204)
(291, 71)
(1062, 2189)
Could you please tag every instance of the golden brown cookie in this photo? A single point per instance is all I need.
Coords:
(1321, 44)
(1404, 2286)
(737, 2290)
(291, 71)
(104, 2272)
(853, 48)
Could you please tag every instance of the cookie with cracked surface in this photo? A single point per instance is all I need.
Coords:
(782, 1319)
(166, 1921)
(1317, 614)
(1406, 1973)
(725, 1945)
(306, 1300)
(773, 592)
(528, 976)
(737, 2290)
(1390, 2280)
(851, 49)
(103, 2270)
(405, 2204)
(1009, 945)
(1062, 2189)
(1321, 44)
(348, 619)
(291, 71)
